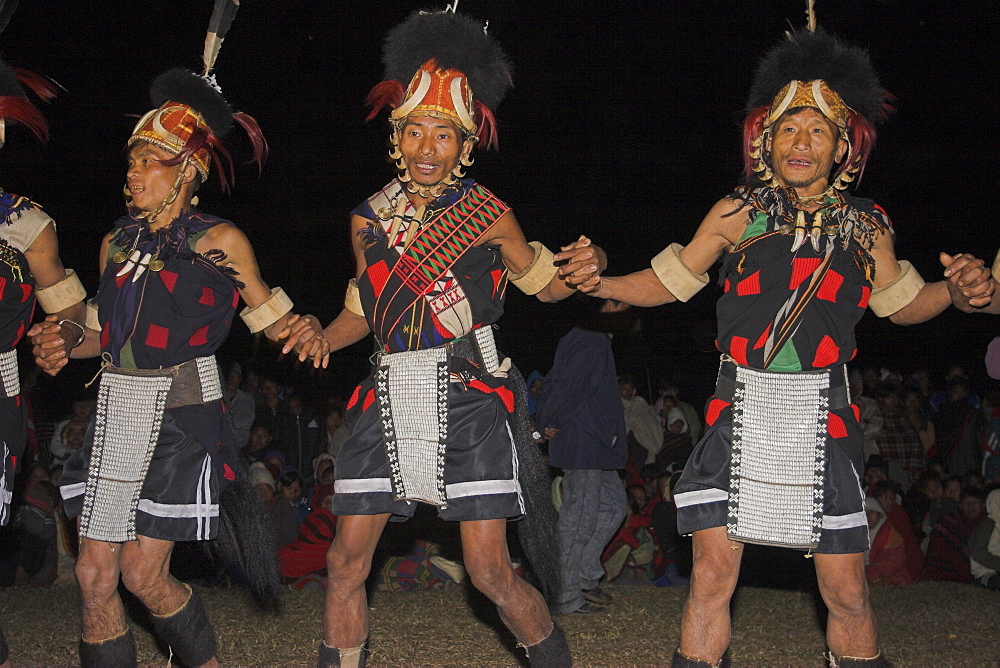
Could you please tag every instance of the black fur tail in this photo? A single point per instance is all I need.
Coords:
(246, 540)
(538, 530)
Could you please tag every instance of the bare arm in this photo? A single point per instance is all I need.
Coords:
(717, 232)
(584, 261)
(347, 327)
(47, 268)
(47, 339)
(967, 284)
(239, 256)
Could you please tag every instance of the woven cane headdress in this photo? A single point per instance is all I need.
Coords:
(444, 65)
(191, 116)
(14, 104)
(812, 68)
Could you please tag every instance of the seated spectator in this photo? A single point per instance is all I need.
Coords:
(290, 487)
(885, 562)
(885, 492)
(669, 387)
(70, 435)
(260, 442)
(869, 415)
(948, 550)
(274, 460)
(239, 405)
(323, 472)
(299, 433)
(335, 432)
(984, 545)
(59, 447)
(38, 554)
(674, 548)
(277, 510)
(876, 470)
(899, 442)
(633, 556)
(641, 423)
(991, 463)
(923, 498)
(303, 561)
(913, 409)
(960, 430)
(677, 442)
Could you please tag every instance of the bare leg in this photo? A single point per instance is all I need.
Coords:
(522, 608)
(97, 571)
(705, 626)
(348, 562)
(145, 567)
(850, 629)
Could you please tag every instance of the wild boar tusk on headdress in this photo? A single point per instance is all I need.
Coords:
(414, 99)
(443, 65)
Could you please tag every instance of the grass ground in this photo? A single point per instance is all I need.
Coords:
(928, 624)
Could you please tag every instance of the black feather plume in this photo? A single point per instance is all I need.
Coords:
(188, 88)
(222, 18)
(805, 56)
(7, 8)
(455, 42)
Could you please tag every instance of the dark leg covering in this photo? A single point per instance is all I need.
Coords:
(114, 653)
(681, 661)
(4, 650)
(878, 661)
(553, 652)
(333, 657)
(188, 632)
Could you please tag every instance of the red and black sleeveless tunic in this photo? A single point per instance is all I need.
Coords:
(796, 311)
(441, 285)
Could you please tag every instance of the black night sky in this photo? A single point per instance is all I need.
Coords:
(623, 124)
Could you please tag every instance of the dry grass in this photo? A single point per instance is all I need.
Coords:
(923, 625)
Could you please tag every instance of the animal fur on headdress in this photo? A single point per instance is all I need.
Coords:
(454, 42)
(805, 56)
(188, 88)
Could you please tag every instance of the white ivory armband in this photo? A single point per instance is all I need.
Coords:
(674, 274)
(268, 312)
(538, 273)
(92, 322)
(898, 292)
(352, 300)
(63, 294)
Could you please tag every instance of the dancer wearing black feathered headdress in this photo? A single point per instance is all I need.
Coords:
(160, 465)
(30, 273)
(442, 418)
(802, 260)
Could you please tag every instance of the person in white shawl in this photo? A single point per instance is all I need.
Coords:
(640, 419)
(984, 545)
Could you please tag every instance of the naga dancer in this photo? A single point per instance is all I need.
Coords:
(30, 272)
(442, 418)
(160, 450)
(802, 259)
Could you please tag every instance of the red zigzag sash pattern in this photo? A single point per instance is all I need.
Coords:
(437, 246)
